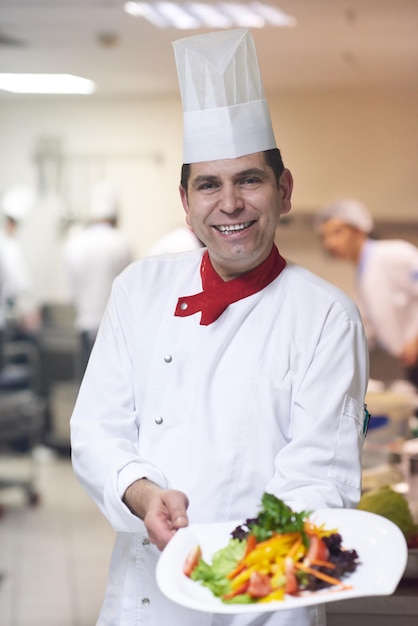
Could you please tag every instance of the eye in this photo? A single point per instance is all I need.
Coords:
(207, 185)
(250, 181)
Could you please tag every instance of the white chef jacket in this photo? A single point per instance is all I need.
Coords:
(3, 282)
(267, 398)
(387, 284)
(178, 240)
(93, 258)
(17, 284)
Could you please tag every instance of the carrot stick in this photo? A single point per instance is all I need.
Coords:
(251, 544)
(237, 592)
(237, 570)
(323, 563)
(321, 575)
(240, 566)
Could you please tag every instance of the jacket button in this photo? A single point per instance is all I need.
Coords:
(168, 358)
(159, 420)
(146, 542)
(145, 601)
(184, 306)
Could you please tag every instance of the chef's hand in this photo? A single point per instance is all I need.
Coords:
(163, 510)
(409, 353)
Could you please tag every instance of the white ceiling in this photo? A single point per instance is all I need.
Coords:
(344, 44)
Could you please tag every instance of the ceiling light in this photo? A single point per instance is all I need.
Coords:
(194, 15)
(243, 15)
(273, 16)
(46, 84)
(177, 14)
(210, 15)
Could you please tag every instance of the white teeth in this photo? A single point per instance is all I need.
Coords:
(233, 227)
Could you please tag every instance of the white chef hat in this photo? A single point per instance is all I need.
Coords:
(351, 212)
(104, 203)
(17, 202)
(226, 114)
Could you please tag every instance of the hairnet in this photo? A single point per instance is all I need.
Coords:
(17, 202)
(351, 212)
(104, 202)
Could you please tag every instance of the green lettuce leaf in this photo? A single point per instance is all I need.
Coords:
(277, 517)
(214, 576)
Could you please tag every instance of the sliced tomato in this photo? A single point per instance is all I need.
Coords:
(192, 560)
(259, 585)
(317, 550)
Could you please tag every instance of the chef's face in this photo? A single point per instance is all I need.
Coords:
(341, 240)
(234, 206)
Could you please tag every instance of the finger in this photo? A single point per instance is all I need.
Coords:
(176, 504)
(180, 521)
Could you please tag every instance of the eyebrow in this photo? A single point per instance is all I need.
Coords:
(208, 178)
(204, 178)
(252, 171)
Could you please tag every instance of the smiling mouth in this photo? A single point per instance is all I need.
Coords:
(233, 228)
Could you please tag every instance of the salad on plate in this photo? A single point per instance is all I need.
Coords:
(279, 553)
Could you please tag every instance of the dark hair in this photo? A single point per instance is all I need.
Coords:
(273, 159)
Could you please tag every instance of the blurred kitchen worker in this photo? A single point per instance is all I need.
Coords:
(3, 299)
(180, 239)
(218, 374)
(20, 302)
(93, 258)
(387, 279)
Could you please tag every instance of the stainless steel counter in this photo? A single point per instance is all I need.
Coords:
(399, 609)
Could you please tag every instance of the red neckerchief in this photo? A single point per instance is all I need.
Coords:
(217, 294)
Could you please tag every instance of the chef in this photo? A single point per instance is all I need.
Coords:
(218, 373)
(387, 279)
(93, 257)
(177, 240)
(19, 302)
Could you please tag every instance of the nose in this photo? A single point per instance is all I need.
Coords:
(231, 199)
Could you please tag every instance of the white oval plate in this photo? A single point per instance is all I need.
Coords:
(379, 543)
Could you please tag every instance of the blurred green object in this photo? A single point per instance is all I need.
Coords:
(394, 506)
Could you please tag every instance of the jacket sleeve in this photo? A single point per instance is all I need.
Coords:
(320, 467)
(104, 430)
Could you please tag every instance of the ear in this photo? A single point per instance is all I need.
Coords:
(185, 203)
(286, 188)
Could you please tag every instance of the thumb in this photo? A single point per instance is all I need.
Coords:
(177, 503)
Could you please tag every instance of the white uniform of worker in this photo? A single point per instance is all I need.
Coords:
(95, 256)
(387, 285)
(236, 402)
(268, 397)
(7, 283)
(5, 280)
(178, 240)
(18, 287)
(20, 281)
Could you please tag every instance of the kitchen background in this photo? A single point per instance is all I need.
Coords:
(361, 144)
(343, 95)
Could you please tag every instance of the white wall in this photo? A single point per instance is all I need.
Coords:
(360, 144)
(363, 144)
